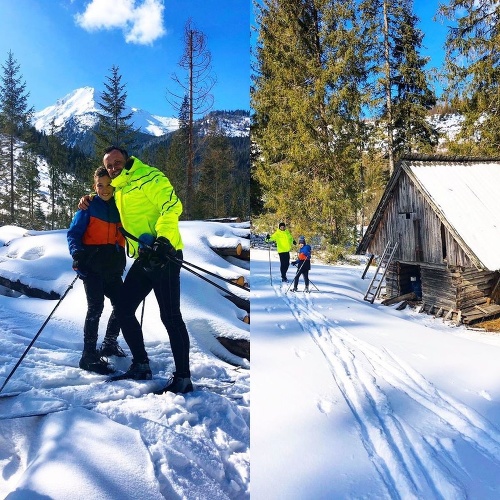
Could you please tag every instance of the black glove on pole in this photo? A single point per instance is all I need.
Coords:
(163, 248)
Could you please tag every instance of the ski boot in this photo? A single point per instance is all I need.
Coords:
(137, 371)
(92, 362)
(111, 348)
(178, 385)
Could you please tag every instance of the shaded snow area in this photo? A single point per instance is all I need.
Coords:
(117, 440)
(358, 400)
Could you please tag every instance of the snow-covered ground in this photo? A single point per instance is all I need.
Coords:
(117, 440)
(358, 400)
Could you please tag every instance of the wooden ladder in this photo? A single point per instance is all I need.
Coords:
(378, 277)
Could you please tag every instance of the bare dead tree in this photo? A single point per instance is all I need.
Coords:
(195, 86)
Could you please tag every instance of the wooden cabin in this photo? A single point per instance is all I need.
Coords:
(444, 212)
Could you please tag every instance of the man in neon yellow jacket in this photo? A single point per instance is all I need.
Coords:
(149, 209)
(284, 241)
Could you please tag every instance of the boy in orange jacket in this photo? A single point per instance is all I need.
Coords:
(98, 251)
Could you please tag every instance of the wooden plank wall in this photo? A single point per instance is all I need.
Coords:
(439, 288)
(474, 287)
(399, 223)
(448, 288)
(392, 288)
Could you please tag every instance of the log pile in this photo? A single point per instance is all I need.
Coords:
(238, 347)
(27, 290)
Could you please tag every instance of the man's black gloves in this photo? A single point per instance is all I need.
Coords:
(294, 242)
(267, 237)
(163, 248)
(80, 263)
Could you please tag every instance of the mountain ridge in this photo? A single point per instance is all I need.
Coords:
(75, 115)
(80, 109)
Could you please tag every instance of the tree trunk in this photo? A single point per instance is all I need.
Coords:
(390, 141)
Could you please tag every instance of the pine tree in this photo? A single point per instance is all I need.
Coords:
(15, 114)
(113, 127)
(79, 181)
(213, 198)
(27, 187)
(401, 93)
(178, 154)
(308, 96)
(412, 96)
(57, 184)
(473, 72)
(194, 96)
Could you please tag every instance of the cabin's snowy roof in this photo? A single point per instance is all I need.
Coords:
(467, 195)
(464, 192)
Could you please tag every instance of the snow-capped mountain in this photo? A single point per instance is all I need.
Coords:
(78, 111)
(76, 114)
(232, 123)
(447, 124)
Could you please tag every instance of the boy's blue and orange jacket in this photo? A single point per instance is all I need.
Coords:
(96, 231)
(305, 253)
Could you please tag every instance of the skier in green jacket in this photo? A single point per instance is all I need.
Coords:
(149, 210)
(284, 241)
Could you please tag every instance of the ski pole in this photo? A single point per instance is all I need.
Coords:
(142, 312)
(178, 261)
(313, 284)
(296, 274)
(37, 334)
(182, 264)
(270, 274)
(227, 280)
(126, 234)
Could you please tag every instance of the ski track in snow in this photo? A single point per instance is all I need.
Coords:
(411, 462)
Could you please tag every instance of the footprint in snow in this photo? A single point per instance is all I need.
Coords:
(485, 395)
(283, 327)
(33, 253)
(300, 353)
(325, 406)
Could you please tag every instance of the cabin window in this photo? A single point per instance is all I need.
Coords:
(443, 242)
(408, 215)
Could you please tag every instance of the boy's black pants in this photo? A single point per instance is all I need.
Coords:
(97, 286)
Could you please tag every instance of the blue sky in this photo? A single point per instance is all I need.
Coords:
(434, 30)
(62, 45)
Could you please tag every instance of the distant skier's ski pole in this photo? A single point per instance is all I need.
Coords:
(296, 274)
(313, 284)
(37, 335)
(270, 273)
(182, 263)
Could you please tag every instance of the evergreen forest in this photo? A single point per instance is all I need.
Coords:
(340, 92)
(42, 179)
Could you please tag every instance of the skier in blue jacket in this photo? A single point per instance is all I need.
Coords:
(98, 251)
(304, 263)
